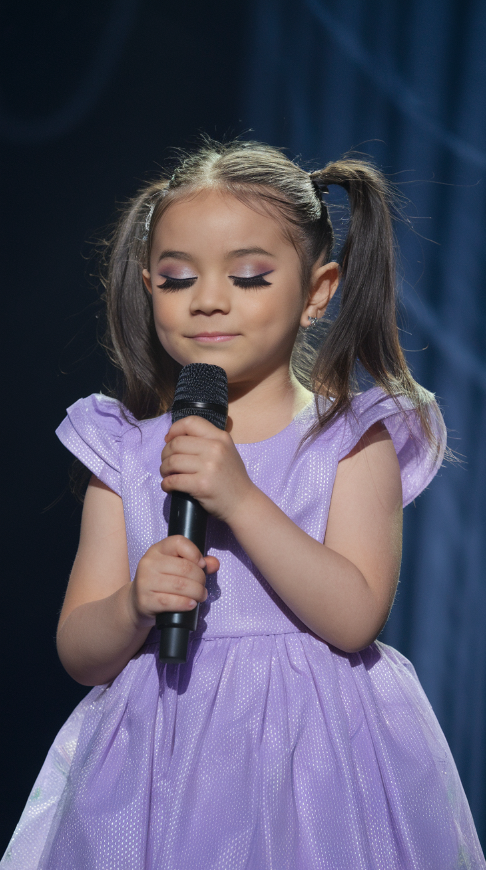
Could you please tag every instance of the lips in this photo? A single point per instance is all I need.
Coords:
(214, 336)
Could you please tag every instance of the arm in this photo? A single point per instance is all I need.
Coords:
(105, 618)
(341, 589)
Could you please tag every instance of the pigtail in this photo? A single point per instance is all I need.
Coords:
(149, 374)
(365, 328)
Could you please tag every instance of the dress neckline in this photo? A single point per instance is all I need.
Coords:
(299, 414)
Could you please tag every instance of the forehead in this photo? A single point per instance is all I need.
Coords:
(210, 219)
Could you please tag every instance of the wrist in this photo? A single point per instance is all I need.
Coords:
(245, 505)
(139, 621)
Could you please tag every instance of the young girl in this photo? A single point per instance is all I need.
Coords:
(291, 739)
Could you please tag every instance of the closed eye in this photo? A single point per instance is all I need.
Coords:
(176, 283)
(252, 281)
(184, 283)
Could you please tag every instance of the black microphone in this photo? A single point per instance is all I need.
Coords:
(202, 390)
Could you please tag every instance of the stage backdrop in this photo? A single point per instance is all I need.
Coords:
(406, 84)
(92, 95)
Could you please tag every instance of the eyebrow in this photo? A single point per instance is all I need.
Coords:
(240, 252)
(245, 252)
(175, 255)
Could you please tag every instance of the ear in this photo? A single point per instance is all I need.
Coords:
(324, 283)
(146, 280)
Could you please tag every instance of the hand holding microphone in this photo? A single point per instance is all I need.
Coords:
(202, 390)
(171, 576)
(204, 472)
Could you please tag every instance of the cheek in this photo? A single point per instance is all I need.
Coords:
(167, 328)
(166, 325)
(165, 314)
(279, 309)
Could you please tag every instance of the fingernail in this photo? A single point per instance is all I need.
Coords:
(192, 604)
(202, 563)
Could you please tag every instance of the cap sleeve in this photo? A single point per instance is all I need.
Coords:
(92, 431)
(419, 460)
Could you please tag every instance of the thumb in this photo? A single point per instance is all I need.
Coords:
(212, 564)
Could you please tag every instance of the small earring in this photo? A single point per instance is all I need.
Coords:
(313, 320)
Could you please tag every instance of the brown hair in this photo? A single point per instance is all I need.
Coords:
(365, 328)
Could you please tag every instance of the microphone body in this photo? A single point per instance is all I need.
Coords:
(202, 390)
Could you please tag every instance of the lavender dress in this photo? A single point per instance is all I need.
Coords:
(269, 749)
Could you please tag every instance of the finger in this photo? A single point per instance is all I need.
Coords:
(174, 566)
(174, 584)
(174, 603)
(178, 545)
(179, 464)
(177, 566)
(169, 546)
(182, 444)
(193, 572)
(179, 483)
(192, 425)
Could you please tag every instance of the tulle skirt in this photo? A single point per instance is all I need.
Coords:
(263, 752)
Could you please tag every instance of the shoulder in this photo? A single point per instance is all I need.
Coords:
(375, 434)
(102, 412)
(383, 419)
(105, 415)
(96, 429)
(373, 461)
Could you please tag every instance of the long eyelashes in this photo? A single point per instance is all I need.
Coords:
(185, 283)
(176, 283)
(253, 281)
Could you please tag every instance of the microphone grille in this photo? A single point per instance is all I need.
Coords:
(201, 382)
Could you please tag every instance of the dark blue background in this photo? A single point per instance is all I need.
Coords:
(406, 83)
(92, 96)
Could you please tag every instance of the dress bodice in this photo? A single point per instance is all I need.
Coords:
(125, 454)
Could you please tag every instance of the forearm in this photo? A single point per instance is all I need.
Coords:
(324, 589)
(99, 638)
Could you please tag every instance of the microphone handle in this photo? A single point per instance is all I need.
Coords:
(189, 519)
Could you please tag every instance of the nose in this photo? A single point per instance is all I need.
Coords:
(210, 295)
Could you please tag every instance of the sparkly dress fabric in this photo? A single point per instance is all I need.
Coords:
(269, 749)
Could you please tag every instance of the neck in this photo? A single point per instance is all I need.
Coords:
(264, 410)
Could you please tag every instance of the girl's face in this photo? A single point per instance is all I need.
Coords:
(226, 287)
